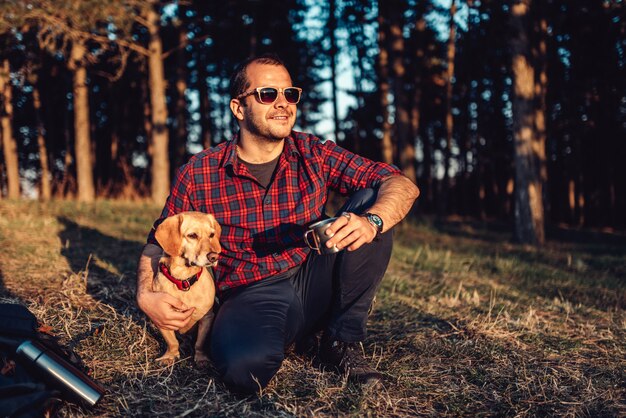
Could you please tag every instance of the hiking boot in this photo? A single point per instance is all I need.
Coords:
(348, 359)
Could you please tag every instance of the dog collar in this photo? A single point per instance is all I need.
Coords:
(183, 285)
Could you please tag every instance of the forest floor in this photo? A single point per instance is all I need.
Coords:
(466, 323)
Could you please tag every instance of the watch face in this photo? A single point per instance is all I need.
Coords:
(375, 219)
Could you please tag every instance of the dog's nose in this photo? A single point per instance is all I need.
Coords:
(212, 257)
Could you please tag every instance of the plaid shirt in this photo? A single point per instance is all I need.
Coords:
(262, 229)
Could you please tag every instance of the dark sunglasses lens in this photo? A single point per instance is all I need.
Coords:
(292, 95)
(268, 95)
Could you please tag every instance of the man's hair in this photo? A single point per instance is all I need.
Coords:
(239, 82)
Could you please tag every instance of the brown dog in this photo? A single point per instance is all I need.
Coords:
(190, 241)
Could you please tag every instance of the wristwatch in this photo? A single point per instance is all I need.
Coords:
(374, 220)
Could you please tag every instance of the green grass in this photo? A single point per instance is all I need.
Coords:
(466, 323)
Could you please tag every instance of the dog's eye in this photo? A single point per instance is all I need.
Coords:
(193, 235)
(212, 235)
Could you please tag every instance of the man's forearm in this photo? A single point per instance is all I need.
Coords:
(147, 267)
(396, 196)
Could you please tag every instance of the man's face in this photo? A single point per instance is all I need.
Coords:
(270, 122)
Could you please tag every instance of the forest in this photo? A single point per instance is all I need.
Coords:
(506, 110)
(505, 293)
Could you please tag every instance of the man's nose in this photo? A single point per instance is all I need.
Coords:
(281, 101)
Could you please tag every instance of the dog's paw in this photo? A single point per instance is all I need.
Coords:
(168, 359)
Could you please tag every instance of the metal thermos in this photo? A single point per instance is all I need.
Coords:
(59, 373)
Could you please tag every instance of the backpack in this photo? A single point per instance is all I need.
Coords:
(24, 393)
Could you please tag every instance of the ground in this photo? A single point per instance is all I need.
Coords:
(466, 323)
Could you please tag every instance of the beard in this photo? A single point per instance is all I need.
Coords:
(264, 131)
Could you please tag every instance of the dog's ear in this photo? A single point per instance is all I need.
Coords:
(168, 235)
(216, 226)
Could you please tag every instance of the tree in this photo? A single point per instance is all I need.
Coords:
(451, 55)
(529, 148)
(160, 138)
(384, 88)
(9, 144)
(80, 31)
(45, 186)
(332, 56)
(82, 140)
(405, 148)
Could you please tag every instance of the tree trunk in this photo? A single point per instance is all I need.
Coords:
(205, 105)
(405, 142)
(8, 140)
(529, 149)
(383, 81)
(332, 26)
(447, 182)
(358, 63)
(179, 148)
(160, 138)
(82, 140)
(418, 58)
(67, 186)
(541, 87)
(45, 187)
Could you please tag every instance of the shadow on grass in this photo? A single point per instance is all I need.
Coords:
(6, 295)
(581, 267)
(109, 261)
(592, 241)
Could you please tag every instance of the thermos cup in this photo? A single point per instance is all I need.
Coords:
(317, 234)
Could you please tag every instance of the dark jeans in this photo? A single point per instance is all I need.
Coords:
(255, 323)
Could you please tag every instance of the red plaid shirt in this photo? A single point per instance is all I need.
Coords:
(262, 229)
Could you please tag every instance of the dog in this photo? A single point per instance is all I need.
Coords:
(190, 241)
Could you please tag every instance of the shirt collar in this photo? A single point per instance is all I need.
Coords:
(290, 150)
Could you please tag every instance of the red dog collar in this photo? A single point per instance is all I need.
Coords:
(183, 285)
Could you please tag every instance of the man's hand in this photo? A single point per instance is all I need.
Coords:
(164, 310)
(350, 231)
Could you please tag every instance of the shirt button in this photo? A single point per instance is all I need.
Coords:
(268, 201)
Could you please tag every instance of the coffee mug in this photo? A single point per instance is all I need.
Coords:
(318, 232)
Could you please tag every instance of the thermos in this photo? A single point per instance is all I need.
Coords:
(59, 373)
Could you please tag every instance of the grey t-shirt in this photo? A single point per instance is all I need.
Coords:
(262, 172)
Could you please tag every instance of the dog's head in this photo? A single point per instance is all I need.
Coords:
(191, 235)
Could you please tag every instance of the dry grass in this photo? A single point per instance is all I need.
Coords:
(466, 323)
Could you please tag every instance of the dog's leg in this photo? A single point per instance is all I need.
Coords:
(204, 326)
(171, 354)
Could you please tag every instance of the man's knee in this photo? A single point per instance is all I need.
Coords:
(246, 369)
(377, 251)
(359, 201)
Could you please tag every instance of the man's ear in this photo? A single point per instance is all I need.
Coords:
(237, 108)
(168, 235)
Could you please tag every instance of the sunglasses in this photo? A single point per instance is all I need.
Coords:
(268, 95)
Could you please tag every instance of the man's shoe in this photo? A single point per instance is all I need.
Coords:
(348, 359)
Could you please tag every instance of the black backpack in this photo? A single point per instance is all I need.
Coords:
(23, 393)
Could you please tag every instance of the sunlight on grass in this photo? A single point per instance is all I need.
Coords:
(465, 321)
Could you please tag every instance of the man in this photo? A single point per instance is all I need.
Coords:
(265, 187)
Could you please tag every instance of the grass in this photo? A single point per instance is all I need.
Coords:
(466, 323)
